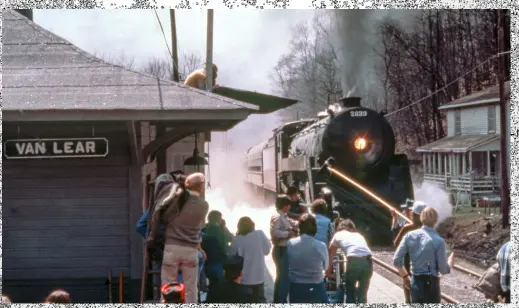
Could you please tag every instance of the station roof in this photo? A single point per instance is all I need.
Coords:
(488, 96)
(267, 103)
(457, 144)
(47, 78)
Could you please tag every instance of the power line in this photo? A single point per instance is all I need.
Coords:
(449, 84)
(164, 36)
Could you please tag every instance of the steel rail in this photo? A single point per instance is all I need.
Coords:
(393, 270)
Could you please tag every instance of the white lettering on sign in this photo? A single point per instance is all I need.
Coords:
(37, 148)
(55, 149)
(90, 147)
(358, 113)
(66, 148)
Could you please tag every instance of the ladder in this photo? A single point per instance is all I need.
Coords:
(147, 269)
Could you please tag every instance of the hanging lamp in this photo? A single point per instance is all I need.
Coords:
(196, 160)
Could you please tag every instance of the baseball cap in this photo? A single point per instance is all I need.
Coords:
(173, 292)
(418, 207)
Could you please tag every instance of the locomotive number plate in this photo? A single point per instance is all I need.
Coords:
(358, 113)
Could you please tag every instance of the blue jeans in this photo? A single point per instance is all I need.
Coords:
(214, 272)
(425, 289)
(361, 271)
(308, 293)
(282, 284)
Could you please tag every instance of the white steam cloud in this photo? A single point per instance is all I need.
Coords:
(436, 198)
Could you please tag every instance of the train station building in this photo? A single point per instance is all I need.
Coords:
(80, 141)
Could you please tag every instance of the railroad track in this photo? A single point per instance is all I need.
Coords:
(458, 283)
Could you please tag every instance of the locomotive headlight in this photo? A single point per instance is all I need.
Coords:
(360, 143)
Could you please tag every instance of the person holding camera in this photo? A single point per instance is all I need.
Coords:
(282, 229)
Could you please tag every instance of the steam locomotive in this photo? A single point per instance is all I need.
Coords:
(362, 143)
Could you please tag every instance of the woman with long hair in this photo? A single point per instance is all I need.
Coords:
(253, 245)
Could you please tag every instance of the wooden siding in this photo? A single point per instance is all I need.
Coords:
(66, 218)
(450, 123)
(474, 121)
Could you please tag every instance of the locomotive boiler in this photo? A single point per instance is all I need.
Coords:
(362, 143)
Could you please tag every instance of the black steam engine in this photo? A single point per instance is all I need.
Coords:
(362, 143)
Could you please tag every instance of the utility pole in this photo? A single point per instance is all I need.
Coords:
(209, 52)
(505, 185)
(175, 76)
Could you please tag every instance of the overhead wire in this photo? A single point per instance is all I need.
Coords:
(164, 36)
(448, 85)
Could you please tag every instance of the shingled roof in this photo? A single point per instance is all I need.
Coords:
(44, 72)
(486, 96)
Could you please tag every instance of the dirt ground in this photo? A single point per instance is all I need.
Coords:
(474, 235)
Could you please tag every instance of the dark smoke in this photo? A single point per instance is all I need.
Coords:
(356, 39)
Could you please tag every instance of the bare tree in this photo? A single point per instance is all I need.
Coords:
(160, 67)
(121, 59)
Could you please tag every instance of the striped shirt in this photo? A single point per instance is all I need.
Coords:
(503, 259)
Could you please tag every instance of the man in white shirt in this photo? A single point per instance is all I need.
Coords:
(359, 267)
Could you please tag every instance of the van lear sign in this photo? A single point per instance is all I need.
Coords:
(56, 148)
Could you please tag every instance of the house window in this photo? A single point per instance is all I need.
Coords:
(457, 122)
(492, 119)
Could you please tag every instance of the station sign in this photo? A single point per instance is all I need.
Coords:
(56, 148)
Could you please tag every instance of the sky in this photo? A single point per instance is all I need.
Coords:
(247, 43)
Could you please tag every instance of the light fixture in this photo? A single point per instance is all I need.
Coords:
(196, 160)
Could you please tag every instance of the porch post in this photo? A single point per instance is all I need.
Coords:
(424, 161)
(488, 164)
(451, 163)
(470, 161)
(464, 157)
(434, 163)
(429, 159)
(446, 163)
(440, 163)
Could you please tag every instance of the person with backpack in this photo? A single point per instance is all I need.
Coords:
(495, 282)
(183, 212)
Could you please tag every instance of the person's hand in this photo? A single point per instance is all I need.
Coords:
(330, 275)
(393, 213)
(450, 261)
(407, 282)
(150, 243)
(204, 255)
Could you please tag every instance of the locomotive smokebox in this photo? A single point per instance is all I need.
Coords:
(350, 102)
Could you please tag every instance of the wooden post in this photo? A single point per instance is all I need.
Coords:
(489, 170)
(424, 161)
(434, 171)
(174, 49)
(464, 168)
(209, 52)
(505, 189)
(161, 157)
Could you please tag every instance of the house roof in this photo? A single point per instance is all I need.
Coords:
(43, 72)
(487, 96)
(458, 144)
(266, 103)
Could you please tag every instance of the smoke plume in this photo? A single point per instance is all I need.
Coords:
(354, 33)
(436, 198)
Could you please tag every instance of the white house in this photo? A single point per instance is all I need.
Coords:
(467, 161)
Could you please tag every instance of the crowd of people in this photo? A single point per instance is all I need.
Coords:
(304, 245)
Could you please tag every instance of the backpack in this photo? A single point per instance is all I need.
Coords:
(490, 283)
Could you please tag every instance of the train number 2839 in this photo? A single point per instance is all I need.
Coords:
(358, 113)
